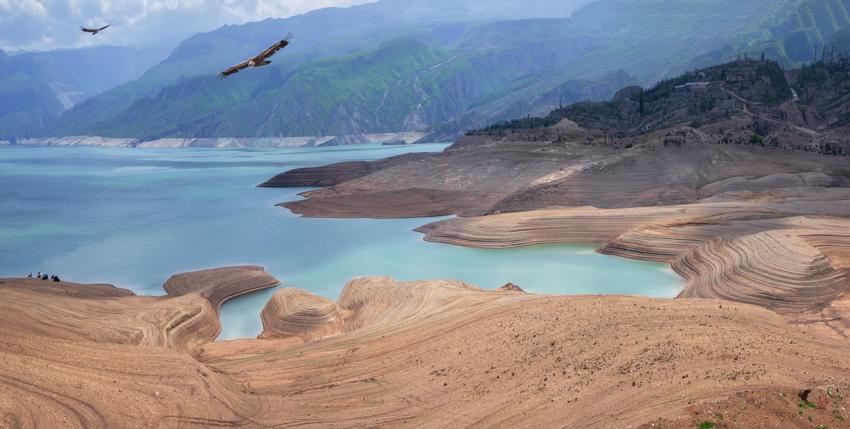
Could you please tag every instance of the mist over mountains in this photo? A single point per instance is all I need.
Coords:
(438, 67)
(35, 88)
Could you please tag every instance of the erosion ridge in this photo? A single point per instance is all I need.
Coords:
(760, 232)
(719, 132)
(335, 173)
(786, 257)
(182, 320)
(426, 353)
(295, 313)
(723, 173)
(745, 199)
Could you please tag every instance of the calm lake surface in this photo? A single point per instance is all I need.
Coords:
(133, 217)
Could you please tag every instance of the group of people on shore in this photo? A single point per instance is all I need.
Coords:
(44, 276)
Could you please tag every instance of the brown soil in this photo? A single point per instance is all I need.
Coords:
(387, 353)
(761, 235)
(825, 407)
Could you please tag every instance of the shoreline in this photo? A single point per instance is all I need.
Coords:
(810, 251)
(753, 225)
(764, 313)
(396, 138)
(389, 352)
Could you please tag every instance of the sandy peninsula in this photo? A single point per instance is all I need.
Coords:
(757, 338)
(757, 224)
(760, 233)
(395, 354)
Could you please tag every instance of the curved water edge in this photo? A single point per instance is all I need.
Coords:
(563, 269)
(134, 217)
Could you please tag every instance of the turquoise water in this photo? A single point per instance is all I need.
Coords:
(132, 217)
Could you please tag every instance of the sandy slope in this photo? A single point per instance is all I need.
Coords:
(758, 226)
(763, 236)
(476, 177)
(184, 319)
(756, 253)
(387, 353)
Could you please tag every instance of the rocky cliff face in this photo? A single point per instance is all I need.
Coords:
(741, 102)
(703, 96)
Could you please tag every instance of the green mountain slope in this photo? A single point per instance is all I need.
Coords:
(35, 88)
(324, 33)
(385, 75)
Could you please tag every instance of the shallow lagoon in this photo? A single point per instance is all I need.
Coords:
(132, 217)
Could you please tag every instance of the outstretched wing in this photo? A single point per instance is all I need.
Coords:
(273, 49)
(104, 27)
(233, 69)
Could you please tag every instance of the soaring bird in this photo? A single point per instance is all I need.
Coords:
(259, 60)
(94, 31)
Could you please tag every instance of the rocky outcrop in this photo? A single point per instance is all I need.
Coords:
(744, 102)
(407, 203)
(658, 175)
(510, 287)
(487, 176)
(335, 174)
(465, 179)
(327, 175)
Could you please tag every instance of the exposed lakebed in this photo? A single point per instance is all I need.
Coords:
(133, 217)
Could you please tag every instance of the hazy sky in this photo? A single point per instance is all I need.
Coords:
(49, 24)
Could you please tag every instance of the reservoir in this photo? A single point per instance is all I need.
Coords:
(133, 217)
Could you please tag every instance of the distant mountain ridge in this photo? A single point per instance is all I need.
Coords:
(407, 65)
(35, 88)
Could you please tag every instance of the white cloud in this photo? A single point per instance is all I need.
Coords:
(160, 5)
(50, 24)
(34, 8)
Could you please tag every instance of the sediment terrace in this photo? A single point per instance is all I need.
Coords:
(184, 319)
(769, 255)
(478, 176)
(389, 353)
(762, 237)
(744, 225)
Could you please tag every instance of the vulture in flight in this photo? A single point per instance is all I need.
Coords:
(258, 61)
(94, 31)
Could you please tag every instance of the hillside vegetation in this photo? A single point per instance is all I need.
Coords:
(442, 74)
(752, 102)
(35, 88)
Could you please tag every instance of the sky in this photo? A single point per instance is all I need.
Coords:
(50, 24)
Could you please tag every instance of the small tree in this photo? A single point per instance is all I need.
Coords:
(641, 102)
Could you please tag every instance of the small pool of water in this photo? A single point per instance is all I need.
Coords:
(132, 217)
